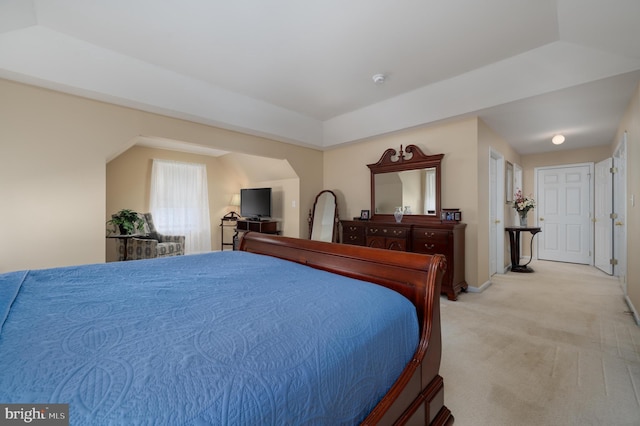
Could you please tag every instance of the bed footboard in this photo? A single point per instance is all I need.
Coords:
(417, 397)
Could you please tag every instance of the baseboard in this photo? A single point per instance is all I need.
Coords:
(633, 310)
(480, 289)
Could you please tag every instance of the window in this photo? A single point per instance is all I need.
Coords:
(179, 203)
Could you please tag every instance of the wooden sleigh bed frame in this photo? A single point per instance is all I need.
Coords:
(417, 397)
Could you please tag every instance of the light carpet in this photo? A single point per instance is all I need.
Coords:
(554, 347)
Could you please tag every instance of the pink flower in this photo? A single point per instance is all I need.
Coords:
(523, 204)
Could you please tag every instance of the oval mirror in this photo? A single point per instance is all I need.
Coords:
(323, 219)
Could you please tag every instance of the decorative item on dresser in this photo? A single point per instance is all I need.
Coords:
(411, 178)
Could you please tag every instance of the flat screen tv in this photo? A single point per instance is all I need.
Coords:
(255, 203)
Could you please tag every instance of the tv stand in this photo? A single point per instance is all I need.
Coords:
(263, 226)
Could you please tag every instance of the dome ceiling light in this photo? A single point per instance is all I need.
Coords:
(557, 139)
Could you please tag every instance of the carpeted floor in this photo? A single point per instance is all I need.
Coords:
(555, 347)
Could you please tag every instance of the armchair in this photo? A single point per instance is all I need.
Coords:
(152, 244)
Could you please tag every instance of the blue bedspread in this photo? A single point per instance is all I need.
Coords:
(227, 338)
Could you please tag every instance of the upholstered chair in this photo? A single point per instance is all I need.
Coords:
(151, 243)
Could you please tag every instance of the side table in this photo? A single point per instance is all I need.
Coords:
(125, 241)
(514, 240)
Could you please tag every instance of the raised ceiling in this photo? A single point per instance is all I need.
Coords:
(301, 71)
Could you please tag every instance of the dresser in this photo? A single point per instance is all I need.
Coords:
(446, 238)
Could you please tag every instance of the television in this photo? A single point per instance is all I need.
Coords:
(255, 203)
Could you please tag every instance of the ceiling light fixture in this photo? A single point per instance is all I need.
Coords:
(379, 78)
(557, 139)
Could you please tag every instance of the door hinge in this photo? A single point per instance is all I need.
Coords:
(613, 261)
(613, 170)
(613, 216)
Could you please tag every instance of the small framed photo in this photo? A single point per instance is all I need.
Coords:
(364, 214)
(451, 215)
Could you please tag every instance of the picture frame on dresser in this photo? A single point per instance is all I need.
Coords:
(451, 215)
(364, 214)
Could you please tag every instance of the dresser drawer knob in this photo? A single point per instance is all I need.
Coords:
(430, 234)
(430, 246)
(373, 230)
(353, 237)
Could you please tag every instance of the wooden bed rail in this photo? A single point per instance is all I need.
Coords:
(417, 396)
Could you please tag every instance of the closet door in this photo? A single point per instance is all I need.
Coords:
(603, 222)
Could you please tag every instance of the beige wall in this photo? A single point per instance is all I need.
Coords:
(631, 124)
(347, 174)
(55, 148)
(559, 158)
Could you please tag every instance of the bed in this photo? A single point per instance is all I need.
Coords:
(284, 331)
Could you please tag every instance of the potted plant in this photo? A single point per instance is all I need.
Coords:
(127, 221)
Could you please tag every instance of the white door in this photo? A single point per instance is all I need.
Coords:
(493, 217)
(564, 213)
(603, 225)
(619, 210)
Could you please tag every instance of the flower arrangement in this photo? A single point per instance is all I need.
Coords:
(523, 204)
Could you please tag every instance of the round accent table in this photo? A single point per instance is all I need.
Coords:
(514, 240)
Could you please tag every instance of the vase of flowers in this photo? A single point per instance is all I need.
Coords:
(522, 205)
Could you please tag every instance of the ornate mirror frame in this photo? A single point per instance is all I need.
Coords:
(412, 158)
(323, 216)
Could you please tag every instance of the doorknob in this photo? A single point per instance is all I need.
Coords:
(497, 221)
(541, 219)
(618, 223)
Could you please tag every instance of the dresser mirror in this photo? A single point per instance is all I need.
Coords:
(406, 179)
(323, 219)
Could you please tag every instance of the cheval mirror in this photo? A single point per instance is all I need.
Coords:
(409, 180)
(323, 219)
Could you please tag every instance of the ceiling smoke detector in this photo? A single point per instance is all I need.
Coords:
(379, 78)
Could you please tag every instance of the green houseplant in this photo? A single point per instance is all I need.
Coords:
(127, 221)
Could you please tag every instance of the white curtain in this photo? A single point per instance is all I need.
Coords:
(179, 203)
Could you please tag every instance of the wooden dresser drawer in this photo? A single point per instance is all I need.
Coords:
(429, 247)
(356, 239)
(387, 231)
(430, 241)
(353, 234)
